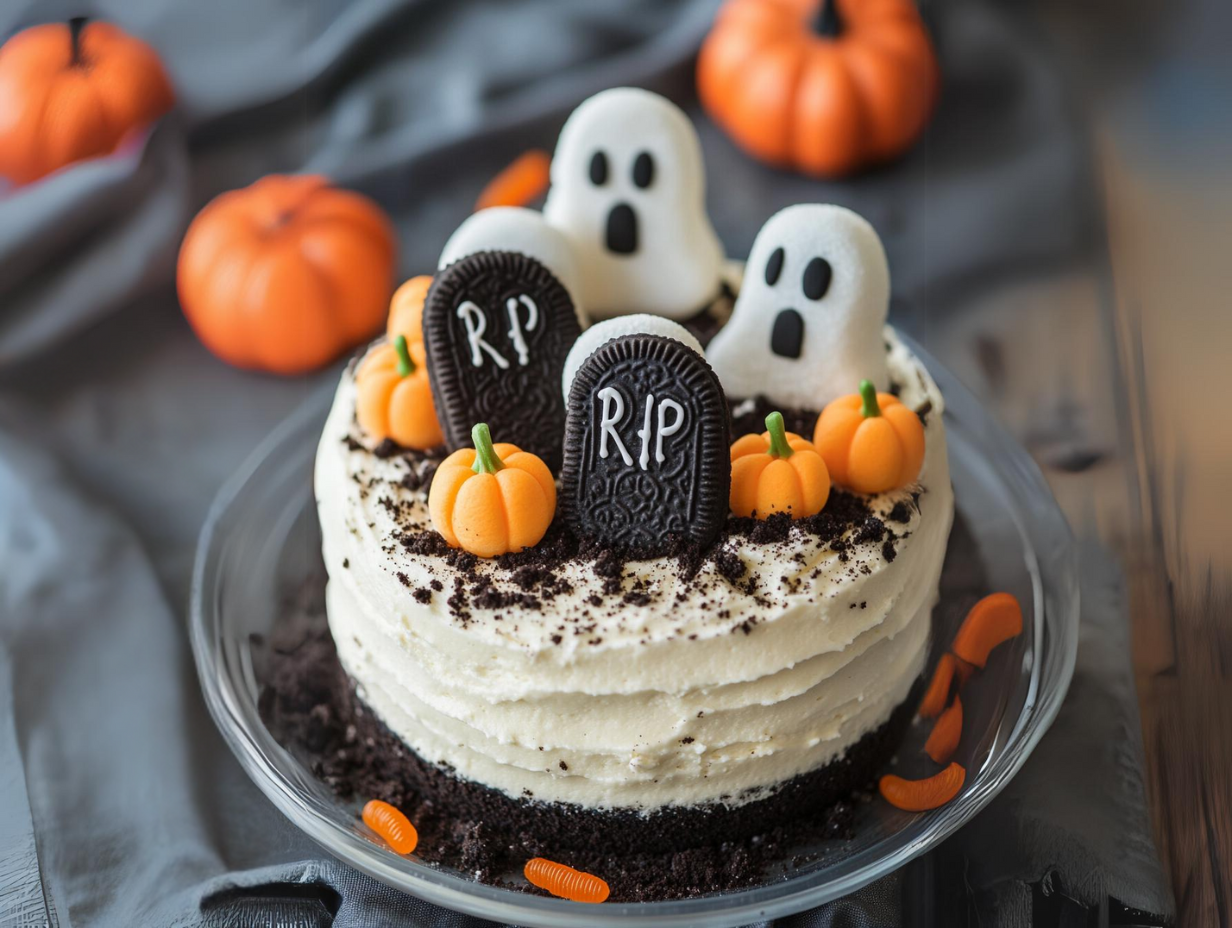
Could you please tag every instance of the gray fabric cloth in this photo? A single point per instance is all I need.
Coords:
(119, 802)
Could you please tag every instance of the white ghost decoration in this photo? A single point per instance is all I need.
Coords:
(807, 326)
(601, 333)
(628, 189)
(514, 228)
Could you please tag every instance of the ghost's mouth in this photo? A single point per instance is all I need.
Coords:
(621, 235)
(787, 336)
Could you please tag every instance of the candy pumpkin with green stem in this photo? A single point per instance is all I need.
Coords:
(777, 471)
(870, 441)
(492, 499)
(394, 398)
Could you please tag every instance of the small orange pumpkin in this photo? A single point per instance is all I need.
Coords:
(777, 471)
(823, 87)
(286, 274)
(492, 499)
(870, 441)
(394, 399)
(406, 309)
(69, 92)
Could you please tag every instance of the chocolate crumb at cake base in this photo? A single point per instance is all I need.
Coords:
(312, 708)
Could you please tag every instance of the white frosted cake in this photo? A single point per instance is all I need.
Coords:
(641, 666)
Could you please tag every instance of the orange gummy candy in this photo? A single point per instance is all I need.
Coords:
(922, 795)
(565, 882)
(991, 621)
(392, 825)
(947, 732)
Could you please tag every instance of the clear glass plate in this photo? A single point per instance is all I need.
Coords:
(261, 538)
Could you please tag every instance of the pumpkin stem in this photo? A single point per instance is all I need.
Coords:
(826, 23)
(486, 461)
(406, 366)
(76, 26)
(868, 393)
(778, 437)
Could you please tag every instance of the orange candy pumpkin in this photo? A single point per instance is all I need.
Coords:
(870, 441)
(406, 309)
(492, 499)
(777, 471)
(823, 86)
(69, 92)
(286, 274)
(394, 398)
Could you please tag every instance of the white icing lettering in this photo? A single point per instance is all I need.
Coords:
(644, 433)
(656, 426)
(515, 324)
(613, 410)
(664, 430)
(476, 324)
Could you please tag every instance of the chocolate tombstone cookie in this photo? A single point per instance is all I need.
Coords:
(497, 328)
(647, 441)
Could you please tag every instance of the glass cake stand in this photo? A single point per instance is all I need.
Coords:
(261, 536)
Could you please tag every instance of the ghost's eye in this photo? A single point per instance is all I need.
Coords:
(774, 267)
(817, 278)
(598, 169)
(643, 170)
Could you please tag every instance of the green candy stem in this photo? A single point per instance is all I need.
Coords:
(406, 366)
(868, 393)
(486, 461)
(778, 436)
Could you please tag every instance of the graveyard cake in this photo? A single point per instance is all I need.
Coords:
(607, 585)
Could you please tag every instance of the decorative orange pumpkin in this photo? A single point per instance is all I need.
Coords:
(525, 180)
(870, 441)
(286, 274)
(394, 399)
(69, 92)
(406, 309)
(492, 499)
(777, 471)
(823, 86)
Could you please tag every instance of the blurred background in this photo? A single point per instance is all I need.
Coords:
(1057, 237)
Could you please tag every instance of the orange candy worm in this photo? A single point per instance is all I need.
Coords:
(523, 181)
(991, 621)
(392, 825)
(933, 703)
(923, 795)
(947, 732)
(565, 882)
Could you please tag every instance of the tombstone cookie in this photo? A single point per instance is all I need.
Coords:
(628, 190)
(497, 328)
(646, 446)
(811, 312)
(521, 230)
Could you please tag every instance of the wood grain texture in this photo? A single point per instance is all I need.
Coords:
(1171, 279)
(1111, 378)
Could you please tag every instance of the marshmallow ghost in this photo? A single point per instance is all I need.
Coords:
(601, 333)
(628, 189)
(520, 230)
(807, 326)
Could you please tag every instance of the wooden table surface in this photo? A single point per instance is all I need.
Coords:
(1113, 382)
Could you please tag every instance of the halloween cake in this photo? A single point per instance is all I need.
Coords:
(601, 583)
